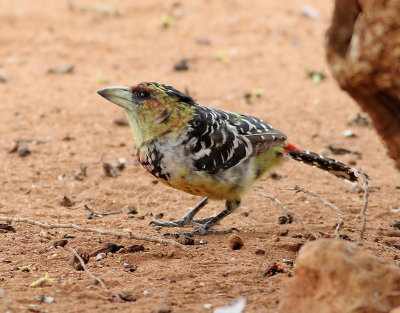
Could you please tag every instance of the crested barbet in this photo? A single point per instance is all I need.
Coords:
(203, 151)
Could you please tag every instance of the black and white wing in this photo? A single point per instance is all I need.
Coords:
(218, 140)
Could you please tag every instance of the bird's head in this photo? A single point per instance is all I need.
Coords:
(153, 109)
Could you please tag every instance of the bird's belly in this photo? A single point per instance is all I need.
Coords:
(202, 187)
(228, 185)
(174, 169)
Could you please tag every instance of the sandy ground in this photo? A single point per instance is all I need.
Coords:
(233, 48)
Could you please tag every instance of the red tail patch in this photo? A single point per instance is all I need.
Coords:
(289, 147)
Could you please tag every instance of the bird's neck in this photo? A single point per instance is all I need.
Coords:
(149, 125)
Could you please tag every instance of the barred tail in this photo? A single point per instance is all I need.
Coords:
(330, 165)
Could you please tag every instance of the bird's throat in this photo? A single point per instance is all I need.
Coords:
(150, 125)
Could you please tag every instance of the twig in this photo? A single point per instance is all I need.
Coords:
(298, 188)
(389, 232)
(287, 211)
(100, 214)
(7, 302)
(86, 269)
(92, 230)
(360, 174)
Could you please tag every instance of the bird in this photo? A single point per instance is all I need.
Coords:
(206, 152)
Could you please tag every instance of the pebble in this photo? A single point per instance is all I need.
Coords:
(310, 12)
(185, 240)
(349, 133)
(101, 256)
(235, 242)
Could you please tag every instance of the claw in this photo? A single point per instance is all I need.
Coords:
(202, 232)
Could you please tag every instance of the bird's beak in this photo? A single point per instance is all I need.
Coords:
(121, 96)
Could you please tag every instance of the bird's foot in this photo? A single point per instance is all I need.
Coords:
(202, 231)
(187, 219)
(182, 222)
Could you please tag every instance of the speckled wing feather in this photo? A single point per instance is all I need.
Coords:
(218, 140)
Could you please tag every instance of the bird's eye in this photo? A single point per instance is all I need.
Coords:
(143, 94)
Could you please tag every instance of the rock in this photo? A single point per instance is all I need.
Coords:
(235, 242)
(101, 256)
(186, 240)
(59, 243)
(336, 276)
(290, 246)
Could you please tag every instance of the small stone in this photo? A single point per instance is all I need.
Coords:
(235, 242)
(40, 298)
(276, 238)
(48, 300)
(203, 241)
(5, 227)
(121, 164)
(101, 256)
(349, 133)
(59, 243)
(283, 233)
(208, 306)
(260, 252)
(67, 202)
(134, 248)
(133, 210)
(297, 236)
(182, 65)
(396, 224)
(360, 119)
(274, 269)
(288, 261)
(23, 151)
(128, 297)
(186, 240)
(113, 247)
(285, 219)
(310, 12)
(122, 297)
(109, 170)
(294, 247)
(159, 216)
(146, 293)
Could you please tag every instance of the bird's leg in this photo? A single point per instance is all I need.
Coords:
(204, 229)
(187, 219)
